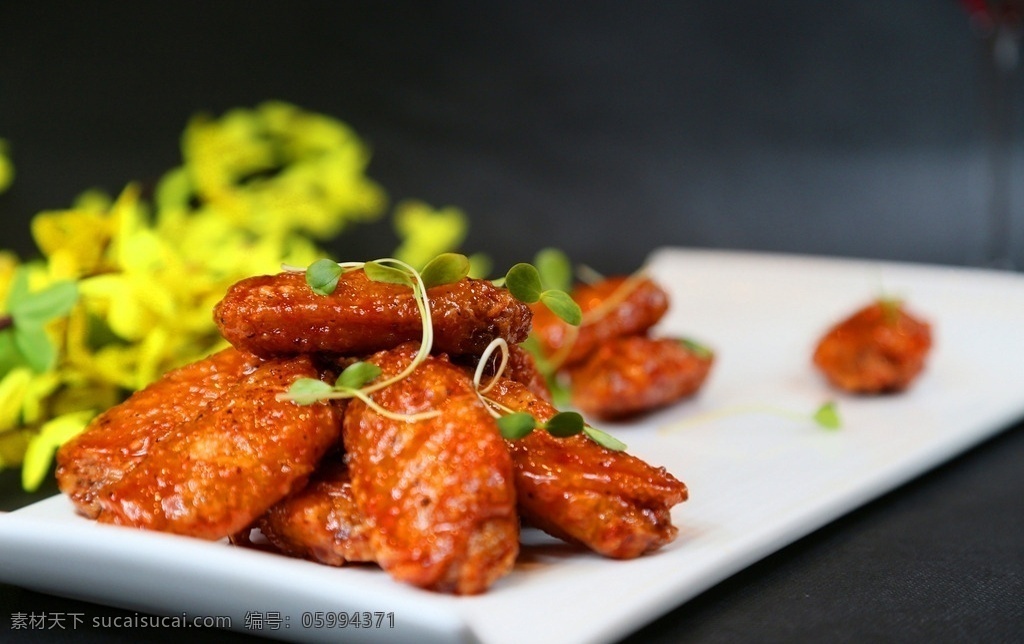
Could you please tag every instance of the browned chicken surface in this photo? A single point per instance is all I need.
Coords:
(322, 521)
(614, 307)
(275, 315)
(217, 449)
(576, 490)
(120, 438)
(879, 349)
(631, 375)
(437, 494)
(215, 474)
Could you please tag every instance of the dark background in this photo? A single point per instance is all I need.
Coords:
(849, 128)
(842, 128)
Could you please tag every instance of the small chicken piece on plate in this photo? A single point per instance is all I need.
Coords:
(631, 375)
(613, 307)
(275, 315)
(121, 437)
(322, 521)
(576, 490)
(879, 349)
(216, 474)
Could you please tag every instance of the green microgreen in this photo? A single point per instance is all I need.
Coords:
(604, 439)
(377, 271)
(890, 309)
(565, 423)
(23, 327)
(519, 424)
(446, 268)
(306, 391)
(357, 375)
(561, 304)
(696, 348)
(554, 268)
(516, 425)
(350, 384)
(524, 283)
(353, 381)
(827, 416)
(322, 276)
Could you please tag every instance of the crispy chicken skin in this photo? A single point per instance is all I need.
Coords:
(320, 522)
(214, 475)
(436, 494)
(631, 375)
(121, 437)
(879, 349)
(274, 315)
(574, 489)
(635, 304)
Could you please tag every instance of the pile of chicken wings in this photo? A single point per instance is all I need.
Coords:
(214, 451)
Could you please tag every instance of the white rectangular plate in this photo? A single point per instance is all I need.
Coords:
(758, 480)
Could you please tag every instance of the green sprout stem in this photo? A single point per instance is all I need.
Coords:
(419, 291)
(825, 416)
(450, 268)
(553, 425)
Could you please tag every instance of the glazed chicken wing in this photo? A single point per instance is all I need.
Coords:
(611, 308)
(214, 475)
(574, 489)
(121, 437)
(437, 494)
(321, 522)
(634, 374)
(879, 349)
(280, 314)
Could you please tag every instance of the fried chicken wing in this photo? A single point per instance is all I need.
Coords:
(121, 437)
(214, 475)
(616, 306)
(437, 494)
(274, 315)
(321, 522)
(879, 349)
(574, 489)
(634, 374)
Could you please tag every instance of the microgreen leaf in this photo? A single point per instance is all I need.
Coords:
(890, 309)
(357, 374)
(51, 302)
(322, 276)
(604, 439)
(516, 425)
(446, 268)
(35, 347)
(562, 305)
(696, 348)
(378, 272)
(306, 391)
(827, 416)
(523, 282)
(554, 268)
(563, 424)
